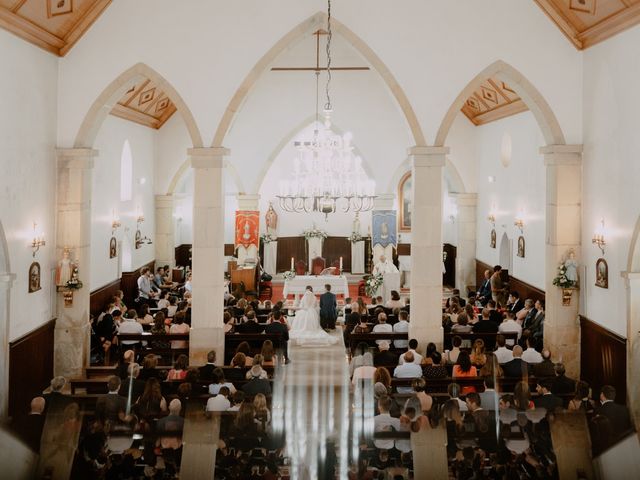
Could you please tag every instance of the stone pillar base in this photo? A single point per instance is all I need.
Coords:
(425, 334)
(204, 339)
(71, 350)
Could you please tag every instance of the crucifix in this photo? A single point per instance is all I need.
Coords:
(317, 68)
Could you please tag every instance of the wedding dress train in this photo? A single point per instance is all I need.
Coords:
(305, 327)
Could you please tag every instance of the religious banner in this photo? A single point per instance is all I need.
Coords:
(384, 228)
(247, 228)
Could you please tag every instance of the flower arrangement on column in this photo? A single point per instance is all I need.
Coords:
(314, 232)
(289, 275)
(372, 283)
(567, 277)
(355, 237)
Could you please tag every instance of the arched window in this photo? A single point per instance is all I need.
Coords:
(404, 199)
(126, 173)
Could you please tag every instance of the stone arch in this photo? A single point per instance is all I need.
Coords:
(526, 90)
(113, 92)
(309, 25)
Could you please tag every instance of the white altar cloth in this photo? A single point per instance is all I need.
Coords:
(298, 284)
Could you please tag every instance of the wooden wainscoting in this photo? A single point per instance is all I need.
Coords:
(30, 367)
(129, 283)
(603, 358)
(101, 296)
(523, 288)
(335, 247)
(183, 255)
(288, 247)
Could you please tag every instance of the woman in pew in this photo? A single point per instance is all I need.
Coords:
(151, 403)
(145, 317)
(261, 415)
(179, 370)
(219, 382)
(257, 361)
(426, 401)
(522, 397)
(432, 367)
(464, 369)
(179, 327)
(245, 348)
(478, 356)
(229, 322)
(463, 324)
(149, 369)
(382, 375)
(268, 354)
(581, 401)
(159, 328)
(362, 308)
(491, 367)
(362, 326)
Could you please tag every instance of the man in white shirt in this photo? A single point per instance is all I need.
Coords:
(129, 325)
(510, 325)
(402, 326)
(146, 293)
(385, 423)
(502, 353)
(219, 403)
(531, 355)
(407, 370)
(382, 326)
(417, 358)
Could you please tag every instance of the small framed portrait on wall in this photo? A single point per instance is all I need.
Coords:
(602, 273)
(492, 242)
(521, 247)
(34, 277)
(113, 248)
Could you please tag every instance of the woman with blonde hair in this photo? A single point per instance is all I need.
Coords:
(491, 367)
(262, 415)
(382, 375)
(478, 357)
(362, 308)
(269, 354)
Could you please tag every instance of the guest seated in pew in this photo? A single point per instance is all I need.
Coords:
(492, 367)
(417, 358)
(251, 325)
(145, 318)
(451, 356)
(432, 353)
(106, 331)
(173, 307)
(489, 399)
(483, 295)
(401, 326)
(535, 328)
(453, 390)
(514, 303)
(522, 397)
(256, 384)
(149, 368)
(179, 326)
(244, 425)
(561, 384)
(163, 301)
(118, 302)
(382, 326)
(510, 325)
(395, 301)
(432, 369)
(362, 326)
(407, 369)
(179, 370)
(485, 325)
(516, 368)
(220, 402)
(29, 427)
(494, 315)
(365, 371)
(502, 353)
(206, 371)
(464, 369)
(238, 365)
(362, 308)
(261, 414)
(582, 401)
(426, 401)
(122, 368)
(382, 375)
(384, 422)
(229, 322)
(546, 368)
(170, 430)
(236, 400)
(245, 348)
(132, 387)
(159, 328)
(130, 325)
(527, 310)
(546, 398)
(268, 354)
(257, 362)
(462, 326)
(278, 324)
(473, 319)
(358, 357)
(151, 404)
(111, 406)
(384, 357)
(531, 355)
(478, 355)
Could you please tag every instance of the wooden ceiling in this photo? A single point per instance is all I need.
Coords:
(492, 101)
(55, 25)
(587, 22)
(145, 104)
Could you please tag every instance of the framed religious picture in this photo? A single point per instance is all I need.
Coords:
(602, 273)
(59, 7)
(404, 202)
(586, 6)
(521, 246)
(492, 243)
(34, 277)
(113, 248)
(138, 240)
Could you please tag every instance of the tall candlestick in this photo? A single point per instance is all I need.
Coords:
(292, 264)
(340, 264)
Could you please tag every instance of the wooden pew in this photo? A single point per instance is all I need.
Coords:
(255, 341)
(488, 338)
(370, 338)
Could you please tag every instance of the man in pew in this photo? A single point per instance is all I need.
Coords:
(502, 353)
(531, 355)
(408, 369)
(256, 384)
(206, 371)
(485, 325)
(401, 326)
(546, 368)
(509, 325)
(277, 325)
(251, 325)
(132, 383)
(489, 398)
(382, 326)
(416, 357)
(484, 292)
(384, 357)
(546, 398)
(514, 303)
(111, 406)
(617, 414)
(29, 427)
(516, 368)
(55, 397)
(494, 315)
(561, 383)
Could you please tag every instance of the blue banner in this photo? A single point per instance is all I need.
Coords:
(384, 229)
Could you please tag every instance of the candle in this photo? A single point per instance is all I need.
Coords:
(291, 263)
(341, 264)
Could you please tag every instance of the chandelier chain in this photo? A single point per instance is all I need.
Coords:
(328, 107)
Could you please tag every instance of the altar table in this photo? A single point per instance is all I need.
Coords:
(298, 284)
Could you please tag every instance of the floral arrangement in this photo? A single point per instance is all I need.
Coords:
(268, 238)
(372, 283)
(355, 237)
(289, 275)
(74, 282)
(561, 279)
(314, 233)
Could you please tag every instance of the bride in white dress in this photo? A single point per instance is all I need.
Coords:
(305, 329)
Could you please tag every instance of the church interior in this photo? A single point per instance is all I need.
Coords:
(319, 239)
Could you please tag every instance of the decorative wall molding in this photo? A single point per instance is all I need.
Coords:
(491, 101)
(146, 104)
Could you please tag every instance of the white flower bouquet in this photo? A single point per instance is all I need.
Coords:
(372, 283)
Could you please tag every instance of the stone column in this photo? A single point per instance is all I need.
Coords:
(466, 204)
(563, 229)
(632, 281)
(165, 234)
(72, 332)
(248, 202)
(426, 244)
(6, 280)
(207, 254)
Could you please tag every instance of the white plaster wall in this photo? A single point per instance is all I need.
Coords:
(106, 198)
(172, 143)
(610, 171)
(620, 461)
(521, 186)
(432, 47)
(28, 82)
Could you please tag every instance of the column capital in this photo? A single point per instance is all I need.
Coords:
(465, 199)
(164, 201)
(562, 155)
(6, 280)
(384, 201)
(428, 156)
(248, 201)
(208, 157)
(76, 158)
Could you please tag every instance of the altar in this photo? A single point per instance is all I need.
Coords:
(298, 284)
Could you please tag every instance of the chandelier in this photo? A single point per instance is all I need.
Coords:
(327, 175)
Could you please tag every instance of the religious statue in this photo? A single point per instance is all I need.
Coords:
(356, 224)
(271, 219)
(246, 235)
(571, 265)
(65, 269)
(384, 230)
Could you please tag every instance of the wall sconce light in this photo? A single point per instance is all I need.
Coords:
(598, 237)
(38, 240)
(519, 221)
(115, 222)
(492, 216)
(140, 217)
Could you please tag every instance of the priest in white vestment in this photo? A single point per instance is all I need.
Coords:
(391, 277)
(384, 266)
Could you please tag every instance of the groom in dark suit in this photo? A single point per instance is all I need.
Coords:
(328, 309)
